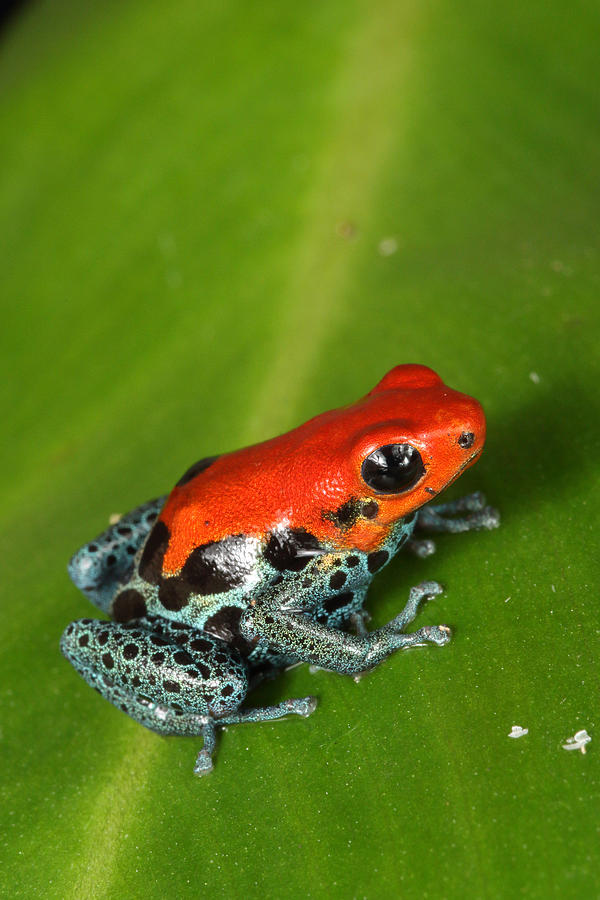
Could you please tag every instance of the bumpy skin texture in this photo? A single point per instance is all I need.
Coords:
(262, 558)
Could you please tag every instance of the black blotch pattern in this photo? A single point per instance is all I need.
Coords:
(346, 515)
(151, 563)
(129, 604)
(108, 660)
(130, 651)
(217, 567)
(377, 559)
(352, 561)
(212, 568)
(225, 624)
(172, 593)
(194, 470)
(337, 580)
(338, 601)
(201, 645)
(292, 550)
(370, 509)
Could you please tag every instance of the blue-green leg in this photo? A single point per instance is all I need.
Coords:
(297, 635)
(102, 566)
(435, 518)
(302, 706)
(169, 677)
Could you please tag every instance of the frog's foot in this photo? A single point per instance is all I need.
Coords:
(392, 637)
(422, 549)
(479, 516)
(204, 760)
(299, 706)
(302, 706)
(416, 595)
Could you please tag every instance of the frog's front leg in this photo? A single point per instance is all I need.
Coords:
(294, 633)
(435, 519)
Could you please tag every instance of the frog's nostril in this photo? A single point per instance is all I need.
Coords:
(466, 440)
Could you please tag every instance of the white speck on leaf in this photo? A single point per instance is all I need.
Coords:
(578, 741)
(534, 377)
(388, 246)
(517, 731)
(114, 518)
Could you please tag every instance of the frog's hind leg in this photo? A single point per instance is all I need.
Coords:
(105, 564)
(171, 678)
(167, 676)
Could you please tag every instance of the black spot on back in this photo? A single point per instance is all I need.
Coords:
(225, 624)
(129, 604)
(194, 470)
(338, 601)
(155, 548)
(377, 559)
(219, 566)
(173, 593)
(292, 549)
(201, 645)
(337, 580)
(352, 561)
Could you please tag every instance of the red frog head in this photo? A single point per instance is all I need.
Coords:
(346, 476)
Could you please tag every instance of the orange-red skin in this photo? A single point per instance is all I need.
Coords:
(296, 478)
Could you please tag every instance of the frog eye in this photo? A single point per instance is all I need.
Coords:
(393, 468)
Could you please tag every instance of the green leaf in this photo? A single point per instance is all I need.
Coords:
(193, 201)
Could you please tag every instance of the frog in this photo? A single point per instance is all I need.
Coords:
(261, 558)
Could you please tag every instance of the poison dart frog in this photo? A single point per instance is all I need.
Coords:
(262, 557)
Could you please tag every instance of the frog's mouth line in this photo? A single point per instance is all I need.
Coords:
(462, 468)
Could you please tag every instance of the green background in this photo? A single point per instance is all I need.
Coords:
(193, 197)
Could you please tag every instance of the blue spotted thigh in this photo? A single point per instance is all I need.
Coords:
(102, 566)
(165, 675)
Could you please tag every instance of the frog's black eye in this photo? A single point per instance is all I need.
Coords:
(393, 468)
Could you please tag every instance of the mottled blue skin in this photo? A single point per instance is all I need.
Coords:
(177, 672)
